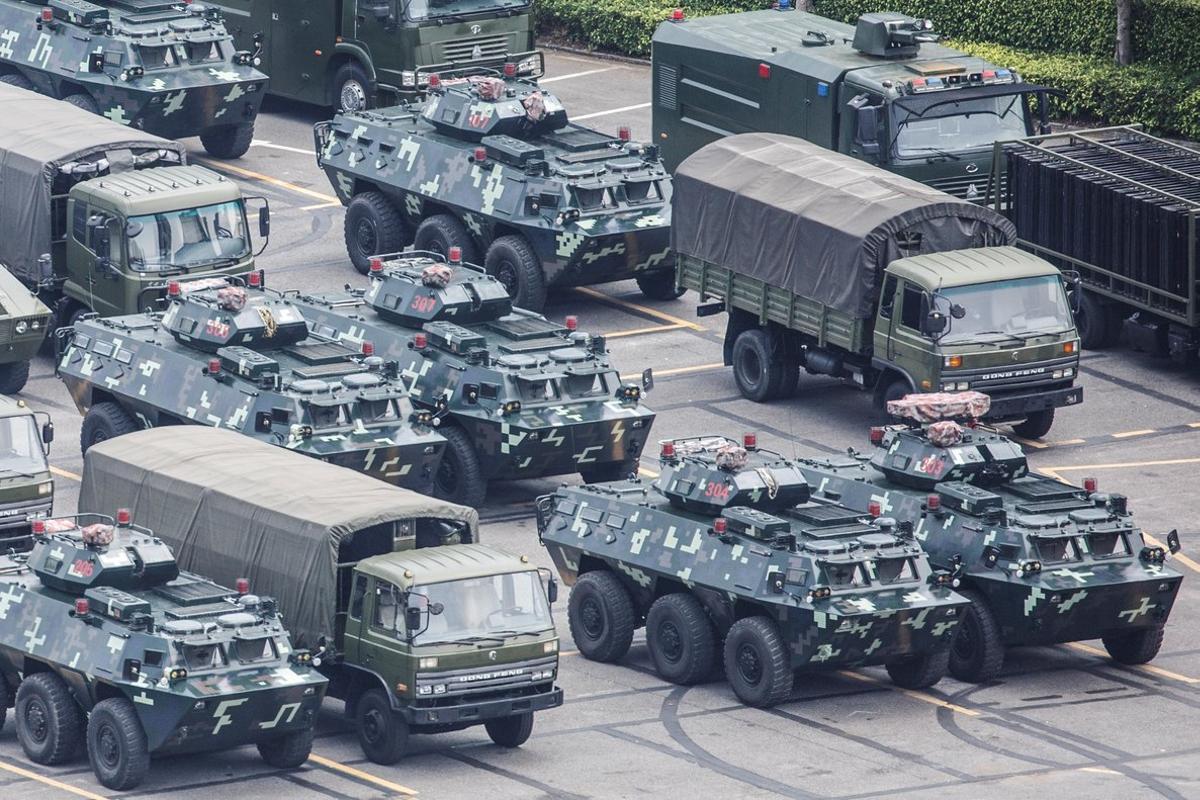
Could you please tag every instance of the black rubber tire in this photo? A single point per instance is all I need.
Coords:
(1134, 647)
(511, 731)
(105, 421)
(601, 617)
(976, 651)
(352, 73)
(791, 378)
(758, 374)
(49, 721)
(441, 232)
(228, 141)
(513, 262)
(895, 389)
(116, 744)
(681, 638)
(756, 662)
(1036, 425)
(6, 700)
(608, 473)
(373, 224)
(1097, 321)
(659, 285)
(382, 733)
(288, 751)
(919, 672)
(18, 80)
(13, 377)
(459, 477)
(84, 101)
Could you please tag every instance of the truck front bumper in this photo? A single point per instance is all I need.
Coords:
(470, 713)
(1018, 406)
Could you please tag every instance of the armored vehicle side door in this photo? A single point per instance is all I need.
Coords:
(95, 259)
(898, 335)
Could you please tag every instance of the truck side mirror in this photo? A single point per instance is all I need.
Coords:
(45, 266)
(647, 379)
(866, 134)
(551, 584)
(133, 229)
(935, 323)
(1173, 542)
(264, 222)
(48, 433)
(414, 618)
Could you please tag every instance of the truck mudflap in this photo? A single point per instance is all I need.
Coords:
(1016, 406)
(483, 710)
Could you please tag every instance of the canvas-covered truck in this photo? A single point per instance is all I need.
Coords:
(419, 628)
(830, 264)
(96, 216)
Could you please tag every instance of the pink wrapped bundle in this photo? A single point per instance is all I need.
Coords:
(231, 298)
(97, 535)
(731, 457)
(935, 406)
(436, 276)
(945, 433)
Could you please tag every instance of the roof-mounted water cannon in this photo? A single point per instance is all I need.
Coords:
(709, 474)
(886, 34)
(414, 290)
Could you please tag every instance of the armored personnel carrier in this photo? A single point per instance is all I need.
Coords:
(105, 644)
(168, 68)
(520, 396)
(492, 166)
(728, 545)
(1041, 561)
(227, 356)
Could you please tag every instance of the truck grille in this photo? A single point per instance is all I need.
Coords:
(960, 186)
(464, 49)
(999, 380)
(472, 683)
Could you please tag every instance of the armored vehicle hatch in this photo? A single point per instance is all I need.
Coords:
(416, 289)
(480, 106)
(214, 314)
(710, 475)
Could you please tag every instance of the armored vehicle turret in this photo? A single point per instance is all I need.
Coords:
(517, 396)
(1041, 561)
(234, 357)
(729, 545)
(105, 644)
(492, 166)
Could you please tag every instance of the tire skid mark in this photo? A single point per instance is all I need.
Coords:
(550, 791)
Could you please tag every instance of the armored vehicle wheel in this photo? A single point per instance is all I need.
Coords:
(13, 377)
(382, 733)
(287, 752)
(511, 731)
(116, 744)
(659, 285)
(1135, 647)
(459, 477)
(373, 226)
(105, 421)
(49, 722)
(976, 652)
(513, 262)
(83, 101)
(682, 642)
(352, 88)
(441, 232)
(1036, 425)
(18, 80)
(759, 375)
(607, 473)
(919, 672)
(5, 700)
(1098, 322)
(601, 616)
(228, 141)
(756, 662)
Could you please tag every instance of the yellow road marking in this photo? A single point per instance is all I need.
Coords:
(1121, 465)
(642, 331)
(1188, 562)
(1067, 441)
(362, 776)
(1193, 424)
(1030, 442)
(662, 373)
(653, 312)
(334, 204)
(1101, 770)
(62, 473)
(1163, 673)
(66, 787)
(1127, 434)
(258, 176)
(924, 697)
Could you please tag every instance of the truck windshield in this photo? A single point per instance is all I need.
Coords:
(958, 127)
(492, 606)
(1020, 308)
(189, 238)
(20, 447)
(417, 10)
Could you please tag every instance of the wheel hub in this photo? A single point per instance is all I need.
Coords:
(364, 236)
(108, 747)
(592, 618)
(506, 273)
(749, 664)
(670, 642)
(36, 724)
(353, 96)
(447, 477)
(372, 726)
(964, 639)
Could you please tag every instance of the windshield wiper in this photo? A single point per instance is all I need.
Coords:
(937, 150)
(518, 633)
(1015, 336)
(11, 471)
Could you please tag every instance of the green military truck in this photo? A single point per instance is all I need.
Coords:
(847, 270)
(419, 628)
(26, 488)
(97, 217)
(882, 91)
(354, 54)
(24, 320)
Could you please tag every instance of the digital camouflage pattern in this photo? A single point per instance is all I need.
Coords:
(532, 397)
(241, 359)
(165, 67)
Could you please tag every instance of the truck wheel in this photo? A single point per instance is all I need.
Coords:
(601, 617)
(607, 473)
(441, 232)
(1135, 647)
(352, 88)
(894, 390)
(513, 262)
(373, 227)
(919, 672)
(659, 285)
(105, 421)
(791, 378)
(1036, 425)
(13, 377)
(976, 651)
(511, 731)
(382, 733)
(759, 375)
(1098, 322)
(228, 141)
(18, 80)
(459, 477)
(83, 101)
(682, 642)
(116, 744)
(287, 752)
(49, 722)
(756, 662)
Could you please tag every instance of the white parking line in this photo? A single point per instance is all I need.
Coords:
(610, 111)
(273, 146)
(576, 75)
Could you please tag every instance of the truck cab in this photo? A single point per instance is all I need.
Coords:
(26, 488)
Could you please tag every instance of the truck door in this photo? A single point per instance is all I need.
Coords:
(909, 348)
(300, 45)
(350, 621)
(95, 260)
(382, 647)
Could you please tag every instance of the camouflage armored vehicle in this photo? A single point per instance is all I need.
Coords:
(519, 396)
(1041, 561)
(106, 645)
(493, 167)
(23, 323)
(167, 68)
(26, 487)
(729, 545)
(224, 356)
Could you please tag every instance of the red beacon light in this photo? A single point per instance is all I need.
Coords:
(874, 509)
(667, 451)
(571, 322)
(480, 154)
(510, 70)
(376, 264)
(255, 279)
(750, 441)
(454, 254)
(720, 526)
(82, 608)
(420, 340)
(435, 81)
(876, 435)
(47, 14)
(368, 348)
(1090, 485)
(243, 586)
(38, 527)
(764, 70)
(677, 15)
(124, 517)
(173, 289)
(934, 503)
(624, 133)
(214, 366)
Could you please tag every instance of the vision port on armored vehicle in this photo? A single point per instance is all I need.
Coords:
(235, 357)
(1041, 561)
(517, 396)
(105, 645)
(492, 166)
(730, 545)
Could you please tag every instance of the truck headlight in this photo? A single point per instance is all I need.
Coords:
(45, 488)
(22, 326)
(439, 688)
(427, 663)
(956, 386)
(550, 647)
(424, 690)
(408, 78)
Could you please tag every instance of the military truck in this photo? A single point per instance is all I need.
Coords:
(491, 166)
(97, 217)
(26, 486)
(357, 54)
(24, 320)
(163, 67)
(106, 645)
(1041, 561)
(246, 361)
(881, 90)
(729, 545)
(850, 271)
(517, 396)
(419, 628)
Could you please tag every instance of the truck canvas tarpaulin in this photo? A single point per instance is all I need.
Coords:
(40, 142)
(234, 507)
(817, 223)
